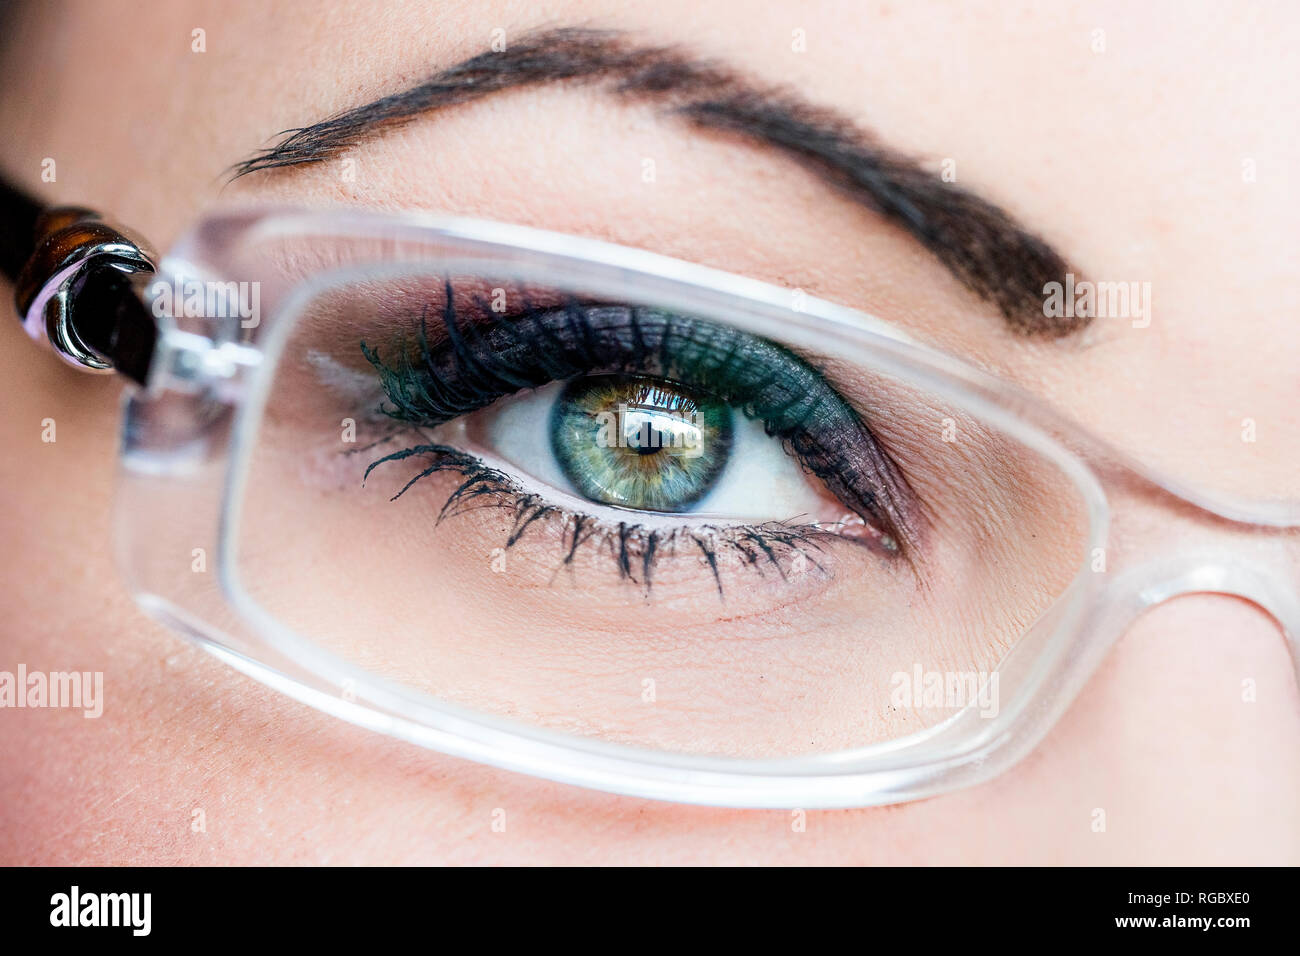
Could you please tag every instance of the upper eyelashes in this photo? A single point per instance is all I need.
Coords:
(475, 363)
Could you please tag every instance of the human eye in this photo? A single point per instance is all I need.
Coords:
(643, 434)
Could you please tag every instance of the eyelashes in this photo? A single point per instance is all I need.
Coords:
(633, 548)
(483, 357)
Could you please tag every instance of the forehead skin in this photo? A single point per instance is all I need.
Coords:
(1128, 158)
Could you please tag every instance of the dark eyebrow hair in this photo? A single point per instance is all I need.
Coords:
(984, 247)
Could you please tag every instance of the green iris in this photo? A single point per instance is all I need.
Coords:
(639, 442)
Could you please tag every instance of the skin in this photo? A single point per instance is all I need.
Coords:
(1128, 159)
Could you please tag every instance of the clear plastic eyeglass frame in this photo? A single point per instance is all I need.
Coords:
(187, 436)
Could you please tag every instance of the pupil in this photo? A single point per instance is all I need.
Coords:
(652, 441)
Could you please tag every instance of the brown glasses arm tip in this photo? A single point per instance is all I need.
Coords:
(75, 281)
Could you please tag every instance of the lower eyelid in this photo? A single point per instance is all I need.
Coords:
(689, 560)
(513, 517)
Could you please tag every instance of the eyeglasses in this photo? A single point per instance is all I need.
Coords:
(605, 517)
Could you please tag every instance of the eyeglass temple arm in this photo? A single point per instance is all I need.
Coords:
(75, 284)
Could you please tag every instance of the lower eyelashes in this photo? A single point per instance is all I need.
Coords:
(633, 548)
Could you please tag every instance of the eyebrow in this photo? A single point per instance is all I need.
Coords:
(989, 252)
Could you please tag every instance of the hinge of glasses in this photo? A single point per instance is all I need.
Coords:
(190, 362)
(78, 293)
